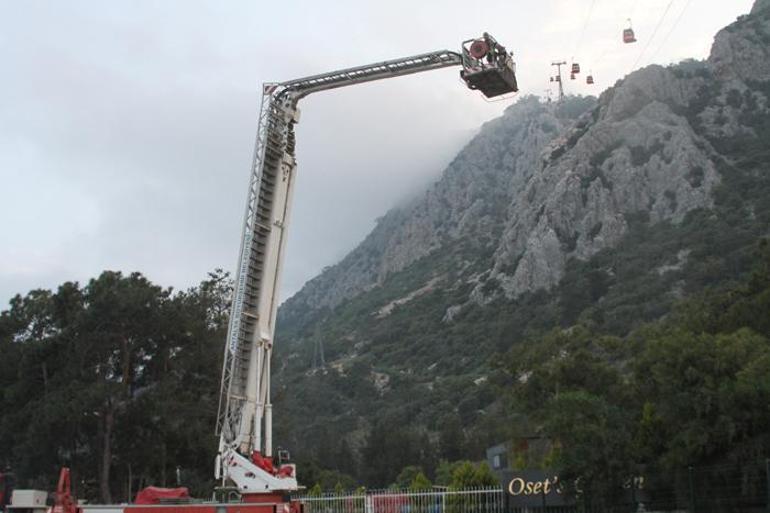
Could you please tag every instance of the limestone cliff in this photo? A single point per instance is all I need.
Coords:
(469, 201)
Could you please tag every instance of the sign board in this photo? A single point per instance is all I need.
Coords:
(535, 488)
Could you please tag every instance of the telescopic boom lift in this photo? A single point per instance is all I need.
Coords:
(244, 423)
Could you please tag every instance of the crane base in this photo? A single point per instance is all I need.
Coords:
(258, 503)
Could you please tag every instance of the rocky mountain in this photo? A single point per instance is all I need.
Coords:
(594, 210)
(469, 202)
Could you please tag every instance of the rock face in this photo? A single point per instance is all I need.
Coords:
(469, 201)
(760, 5)
(632, 154)
(741, 51)
(545, 183)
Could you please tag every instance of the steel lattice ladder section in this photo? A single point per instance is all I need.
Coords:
(278, 139)
(261, 246)
(275, 139)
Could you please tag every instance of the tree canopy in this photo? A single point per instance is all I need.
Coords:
(117, 379)
(691, 389)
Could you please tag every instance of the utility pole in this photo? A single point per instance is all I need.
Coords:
(557, 78)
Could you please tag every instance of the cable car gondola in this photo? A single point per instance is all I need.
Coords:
(628, 34)
(590, 79)
(575, 68)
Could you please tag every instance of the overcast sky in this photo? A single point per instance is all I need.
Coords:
(126, 127)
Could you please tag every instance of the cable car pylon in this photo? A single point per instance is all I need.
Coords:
(557, 78)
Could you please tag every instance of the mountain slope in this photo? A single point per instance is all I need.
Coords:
(468, 203)
(603, 211)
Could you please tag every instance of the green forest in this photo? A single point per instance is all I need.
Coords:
(689, 390)
(118, 379)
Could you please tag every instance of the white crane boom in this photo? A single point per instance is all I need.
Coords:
(244, 421)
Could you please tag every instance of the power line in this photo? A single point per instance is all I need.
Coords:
(654, 32)
(676, 23)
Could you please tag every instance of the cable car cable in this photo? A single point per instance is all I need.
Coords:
(654, 32)
(671, 31)
(583, 31)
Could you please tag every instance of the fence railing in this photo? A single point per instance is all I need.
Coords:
(478, 500)
(720, 488)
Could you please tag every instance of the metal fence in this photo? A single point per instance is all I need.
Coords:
(721, 488)
(477, 500)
